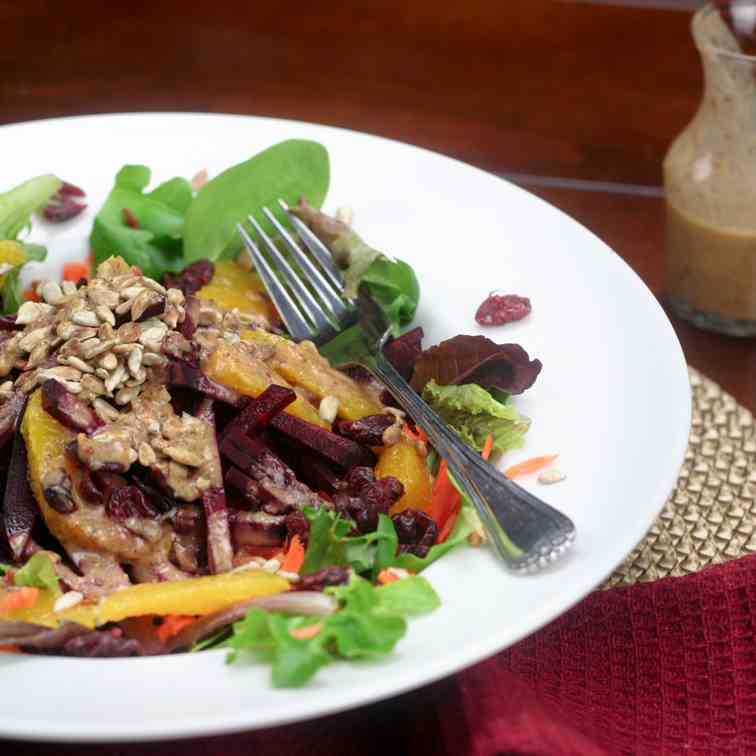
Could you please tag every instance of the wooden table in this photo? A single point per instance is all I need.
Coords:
(592, 92)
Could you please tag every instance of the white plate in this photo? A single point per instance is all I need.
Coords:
(612, 400)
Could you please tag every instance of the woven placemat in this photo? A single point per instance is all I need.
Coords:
(710, 516)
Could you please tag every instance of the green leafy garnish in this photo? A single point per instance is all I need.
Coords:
(368, 625)
(392, 284)
(18, 204)
(288, 170)
(12, 290)
(155, 246)
(38, 572)
(474, 413)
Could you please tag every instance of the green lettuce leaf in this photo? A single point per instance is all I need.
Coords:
(392, 284)
(474, 413)
(18, 204)
(287, 170)
(38, 572)
(368, 625)
(156, 245)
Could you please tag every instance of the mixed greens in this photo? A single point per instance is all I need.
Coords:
(364, 577)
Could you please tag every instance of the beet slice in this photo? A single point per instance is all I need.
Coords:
(259, 412)
(249, 489)
(20, 510)
(68, 409)
(219, 551)
(276, 479)
(258, 529)
(10, 413)
(336, 449)
(188, 325)
(185, 375)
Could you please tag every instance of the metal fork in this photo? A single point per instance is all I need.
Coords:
(527, 533)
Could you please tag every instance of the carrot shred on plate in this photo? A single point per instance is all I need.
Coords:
(172, 625)
(307, 632)
(10, 650)
(21, 598)
(74, 271)
(487, 447)
(294, 557)
(445, 502)
(30, 293)
(528, 466)
(386, 576)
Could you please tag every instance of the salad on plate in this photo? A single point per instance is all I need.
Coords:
(179, 474)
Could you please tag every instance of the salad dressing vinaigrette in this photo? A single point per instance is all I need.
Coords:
(710, 186)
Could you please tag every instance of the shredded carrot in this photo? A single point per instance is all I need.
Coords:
(530, 465)
(294, 558)
(172, 625)
(306, 632)
(73, 271)
(387, 576)
(418, 435)
(10, 650)
(487, 447)
(23, 598)
(30, 293)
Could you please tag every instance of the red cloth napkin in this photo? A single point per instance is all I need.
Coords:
(657, 668)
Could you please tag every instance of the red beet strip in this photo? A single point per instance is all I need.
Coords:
(19, 506)
(68, 409)
(336, 449)
(259, 412)
(10, 413)
(187, 376)
(248, 488)
(219, 550)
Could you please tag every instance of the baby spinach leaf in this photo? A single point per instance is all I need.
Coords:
(18, 204)
(288, 170)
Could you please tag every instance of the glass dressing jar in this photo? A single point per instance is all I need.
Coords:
(710, 186)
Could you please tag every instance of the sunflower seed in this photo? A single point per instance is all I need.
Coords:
(124, 307)
(125, 348)
(74, 387)
(29, 312)
(79, 364)
(115, 379)
(6, 387)
(151, 283)
(147, 456)
(105, 411)
(88, 352)
(106, 332)
(29, 340)
(135, 362)
(103, 296)
(125, 395)
(125, 280)
(139, 378)
(93, 385)
(68, 600)
(175, 296)
(141, 302)
(108, 361)
(38, 355)
(61, 373)
(102, 373)
(105, 314)
(551, 476)
(51, 292)
(68, 287)
(129, 332)
(152, 335)
(131, 292)
(85, 318)
(151, 358)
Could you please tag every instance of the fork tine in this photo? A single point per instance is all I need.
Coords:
(321, 253)
(306, 300)
(296, 325)
(313, 275)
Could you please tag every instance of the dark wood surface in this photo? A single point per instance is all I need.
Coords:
(577, 90)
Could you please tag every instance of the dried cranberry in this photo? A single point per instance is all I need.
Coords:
(128, 502)
(323, 578)
(297, 525)
(64, 204)
(192, 278)
(359, 477)
(498, 309)
(416, 532)
(382, 494)
(88, 488)
(155, 495)
(367, 431)
(60, 499)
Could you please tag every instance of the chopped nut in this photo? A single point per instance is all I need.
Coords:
(182, 455)
(86, 318)
(28, 341)
(67, 601)
(105, 411)
(551, 476)
(329, 408)
(51, 292)
(147, 456)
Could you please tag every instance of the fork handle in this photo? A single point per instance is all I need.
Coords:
(526, 532)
